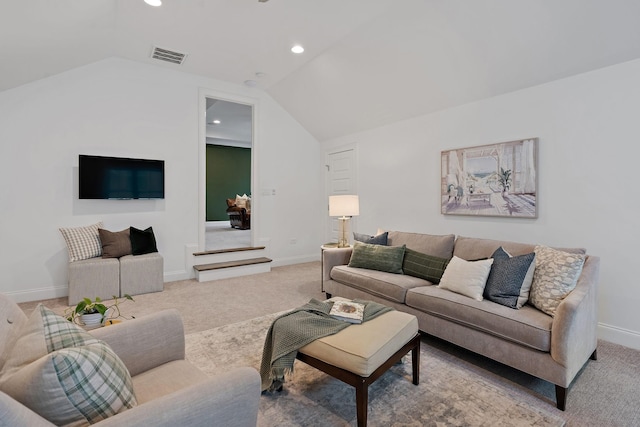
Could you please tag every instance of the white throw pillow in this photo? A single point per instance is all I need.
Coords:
(466, 277)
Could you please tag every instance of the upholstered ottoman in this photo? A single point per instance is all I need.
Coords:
(360, 354)
(141, 274)
(93, 277)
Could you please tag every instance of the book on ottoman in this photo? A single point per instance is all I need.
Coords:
(347, 311)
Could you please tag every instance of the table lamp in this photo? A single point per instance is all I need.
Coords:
(344, 206)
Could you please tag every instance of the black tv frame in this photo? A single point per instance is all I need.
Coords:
(119, 178)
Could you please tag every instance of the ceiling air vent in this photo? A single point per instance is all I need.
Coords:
(168, 55)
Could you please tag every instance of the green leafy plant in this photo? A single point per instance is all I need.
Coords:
(88, 306)
(505, 178)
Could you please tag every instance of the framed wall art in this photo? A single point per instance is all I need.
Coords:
(491, 180)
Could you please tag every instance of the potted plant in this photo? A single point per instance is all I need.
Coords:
(94, 312)
(505, 180)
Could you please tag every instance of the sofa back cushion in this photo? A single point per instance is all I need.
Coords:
(471, 248)
(438, 246)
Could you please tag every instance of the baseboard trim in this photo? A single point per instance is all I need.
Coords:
(39, 294)
(616, 335)
(280, 262)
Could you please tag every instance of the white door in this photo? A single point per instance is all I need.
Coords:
(340, 179)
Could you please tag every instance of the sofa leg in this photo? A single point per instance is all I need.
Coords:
(594, 355)
(328, 295)
(561, 397)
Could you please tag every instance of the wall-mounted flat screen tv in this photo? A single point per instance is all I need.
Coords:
(120, 178)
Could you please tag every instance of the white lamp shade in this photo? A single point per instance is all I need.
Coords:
(344, 205)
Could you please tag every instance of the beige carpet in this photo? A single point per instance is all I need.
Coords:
(604, 394)
(448, 394)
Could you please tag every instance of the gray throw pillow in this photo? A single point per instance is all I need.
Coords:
(380, 239)
(424, 266)
(377, 257)
(507, 277)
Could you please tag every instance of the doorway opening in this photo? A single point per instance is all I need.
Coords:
(227, 161)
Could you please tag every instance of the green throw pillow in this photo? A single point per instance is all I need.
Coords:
(377, 257)
(424, 266)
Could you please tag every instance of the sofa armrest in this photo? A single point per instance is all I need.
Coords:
(146, 342)
(230, 399)
(574, 329)
(14, 413)
(332, 257)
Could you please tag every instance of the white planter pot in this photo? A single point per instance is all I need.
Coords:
(91, 319)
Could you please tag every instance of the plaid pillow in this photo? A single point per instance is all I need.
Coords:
(424, 266)
(74, 378)
(82, 242)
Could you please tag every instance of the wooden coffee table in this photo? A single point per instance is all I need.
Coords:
(360, 354)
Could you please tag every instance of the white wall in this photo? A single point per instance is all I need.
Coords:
(122, 108)
(588, 127)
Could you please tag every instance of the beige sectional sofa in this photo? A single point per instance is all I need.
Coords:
(553, 348)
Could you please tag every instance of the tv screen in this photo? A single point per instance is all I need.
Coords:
(120, 178)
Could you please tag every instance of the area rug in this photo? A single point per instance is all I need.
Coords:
(448, 394)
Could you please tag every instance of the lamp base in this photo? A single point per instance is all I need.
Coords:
(343, 241)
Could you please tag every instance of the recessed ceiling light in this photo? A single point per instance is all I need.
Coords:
(216, 122)
(297, 49)
(155, 3)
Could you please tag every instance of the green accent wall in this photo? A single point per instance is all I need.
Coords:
(228, 174)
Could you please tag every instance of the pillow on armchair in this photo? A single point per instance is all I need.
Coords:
(73, 378)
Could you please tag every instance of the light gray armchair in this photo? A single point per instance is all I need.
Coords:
(170, 391)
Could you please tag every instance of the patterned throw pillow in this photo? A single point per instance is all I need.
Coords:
(378, 239)
(377, 257)
(82, 242)
(508, 276)
(466, 277)
(556, 275)
(73, 378)
(424, 266)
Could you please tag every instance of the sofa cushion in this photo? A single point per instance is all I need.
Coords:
(471, 248)
(528, 326)
(386, 285)
(556, 275)
(440, 246)
(115, 244)
(72, 377)
(378, 239)
(377, 257)
(82, 242)
(508, 276)
(466, 277)
(424, 266)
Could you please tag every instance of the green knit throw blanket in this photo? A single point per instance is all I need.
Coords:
(297, 328)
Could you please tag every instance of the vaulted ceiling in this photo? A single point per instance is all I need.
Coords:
(367, 62)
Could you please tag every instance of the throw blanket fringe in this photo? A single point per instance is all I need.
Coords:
(297, 328)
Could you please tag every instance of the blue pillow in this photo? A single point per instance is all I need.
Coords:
(380, 239)
(506, 277)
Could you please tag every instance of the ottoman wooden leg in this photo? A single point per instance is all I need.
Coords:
(415, 362)
(362, 403)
